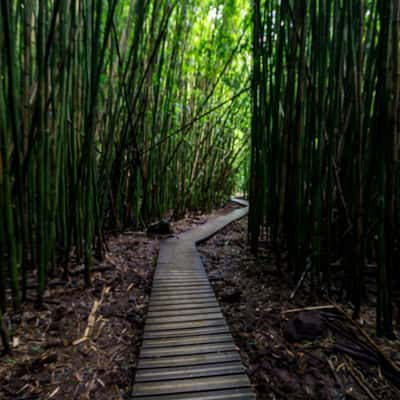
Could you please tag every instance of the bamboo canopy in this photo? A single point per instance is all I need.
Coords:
(116, 113)
(325, 140)
(108, 121)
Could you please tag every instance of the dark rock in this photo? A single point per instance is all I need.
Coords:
(304, 326)
(231, 295)
(160, 228)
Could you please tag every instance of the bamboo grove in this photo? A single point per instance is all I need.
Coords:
(111, 113)
(325, 140)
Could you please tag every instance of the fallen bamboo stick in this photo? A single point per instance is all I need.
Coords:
(378, 350)
(92, 318)
(314, 308)
(359, 381)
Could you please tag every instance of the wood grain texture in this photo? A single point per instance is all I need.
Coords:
(188, 352)
(230, 394)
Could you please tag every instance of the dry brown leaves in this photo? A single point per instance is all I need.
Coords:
(85, 344)
(277, 368)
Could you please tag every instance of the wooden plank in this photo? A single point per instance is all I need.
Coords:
(187, 274)
(165, 304)
(188, 267)
(180, 283)
(170, 246)
(182, 291)
(179, 286)
(184, 268)
(184, 318)
(181, 273)
(180, 341)
(182, 301)
(186, 297)
(191, 385)
(189, 263)
(230, 394)
(183, 305)
(188, 294)
(179, 256)
(181, 261)
(180, 280)
(152, 327)
(177, 294)
(186, 350)
(187, 247)
(161, 374)
(176, 277)
(163, 262)
(180, 312)
(184, 361)
(186, 332)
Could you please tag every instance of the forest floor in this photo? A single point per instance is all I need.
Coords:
(309, 354)
(85, 343)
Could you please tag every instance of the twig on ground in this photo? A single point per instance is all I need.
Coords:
(302, 278)
(363, 385)
(92, 318)
(371, 342)
(315, 308)
(335, 375)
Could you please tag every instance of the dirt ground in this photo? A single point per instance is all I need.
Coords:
(334, 361)
(85, 344)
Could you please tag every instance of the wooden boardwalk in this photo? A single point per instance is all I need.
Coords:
(188, 352)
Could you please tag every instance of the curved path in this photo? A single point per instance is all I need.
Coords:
(188, 352)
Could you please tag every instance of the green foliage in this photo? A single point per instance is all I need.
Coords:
(325, 139)
(111, 114)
